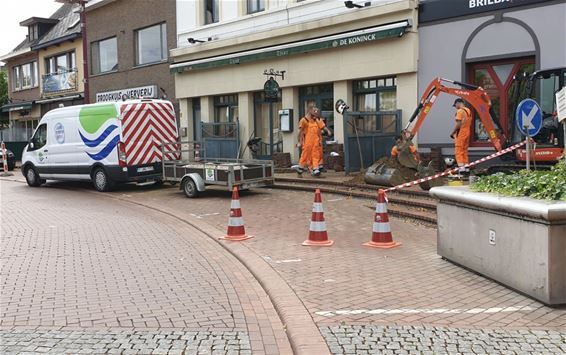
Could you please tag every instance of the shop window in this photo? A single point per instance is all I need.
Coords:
(60, 63)
(104, 56)
(151, 44)
(225, 111)
(377, 97)
(254, 6)
(25, 76)
(211, 11)
(496, 78)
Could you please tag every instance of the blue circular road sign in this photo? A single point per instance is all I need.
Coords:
(529, 117)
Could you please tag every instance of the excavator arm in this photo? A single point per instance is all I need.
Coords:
(474, 95)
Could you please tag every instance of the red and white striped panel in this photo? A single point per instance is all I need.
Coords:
(145, 126)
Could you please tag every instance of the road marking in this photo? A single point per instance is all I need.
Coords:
(336, 199)
(199, 216)
(284, 261)
(424, 310)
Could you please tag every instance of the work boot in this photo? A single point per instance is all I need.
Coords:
(316, 172)
(298, 169)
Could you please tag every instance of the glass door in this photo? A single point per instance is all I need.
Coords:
(321, 96)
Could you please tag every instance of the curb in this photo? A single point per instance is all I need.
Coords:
(302, 332)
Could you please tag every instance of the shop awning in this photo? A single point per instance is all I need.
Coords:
(346, 39)
(60, 98)
(17, 106)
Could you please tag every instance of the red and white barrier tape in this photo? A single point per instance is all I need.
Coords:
(452, 171)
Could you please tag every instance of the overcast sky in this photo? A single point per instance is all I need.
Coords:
(15, 11)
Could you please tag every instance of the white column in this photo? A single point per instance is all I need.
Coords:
(342, 90)
(246, 112)
(207, 109)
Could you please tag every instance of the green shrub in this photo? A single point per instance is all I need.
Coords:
(543, 185)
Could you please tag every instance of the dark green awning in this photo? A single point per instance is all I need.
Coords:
(17, 106)
(334, 41)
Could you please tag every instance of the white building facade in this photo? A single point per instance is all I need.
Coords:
(365, 55)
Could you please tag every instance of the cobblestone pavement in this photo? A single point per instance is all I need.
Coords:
(86, 271)
(409, 285)
(440, 340)
(125, 342)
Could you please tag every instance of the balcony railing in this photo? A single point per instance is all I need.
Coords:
(60, 82)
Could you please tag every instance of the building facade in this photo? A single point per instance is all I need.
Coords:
(366, 56)
(486, 44)
(128, 45)
(44, 71)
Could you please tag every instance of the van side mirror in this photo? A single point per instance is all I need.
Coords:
(31, 145)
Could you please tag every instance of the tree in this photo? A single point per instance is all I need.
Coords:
(3, 96)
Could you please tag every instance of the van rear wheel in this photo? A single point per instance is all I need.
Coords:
(101, 181)
(32, 177)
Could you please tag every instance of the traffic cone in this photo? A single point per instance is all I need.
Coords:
(381, 236)
(317, 233)
(236, 230)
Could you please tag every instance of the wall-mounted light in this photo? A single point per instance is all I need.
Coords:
(351, 5)
(194, 40)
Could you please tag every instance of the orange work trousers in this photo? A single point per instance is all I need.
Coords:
(311, 155)
(461, 146)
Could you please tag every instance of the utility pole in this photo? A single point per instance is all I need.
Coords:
(82, 8)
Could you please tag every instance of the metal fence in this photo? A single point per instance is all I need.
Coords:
(16, 134)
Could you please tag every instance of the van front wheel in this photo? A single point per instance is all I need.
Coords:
(101, 180)
(32, 177)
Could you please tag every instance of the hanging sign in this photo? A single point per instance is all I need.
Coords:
(271, 90)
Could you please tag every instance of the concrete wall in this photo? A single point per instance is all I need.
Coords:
(527, 250)
(442, 48)
(120, 18)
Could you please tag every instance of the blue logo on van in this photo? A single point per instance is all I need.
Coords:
(59, 133)
(98, 130)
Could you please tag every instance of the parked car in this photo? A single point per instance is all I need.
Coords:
(11, 159)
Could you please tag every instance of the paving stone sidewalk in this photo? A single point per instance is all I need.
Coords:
(80, 265)
(365, 340)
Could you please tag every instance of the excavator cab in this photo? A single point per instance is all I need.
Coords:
(541, 86)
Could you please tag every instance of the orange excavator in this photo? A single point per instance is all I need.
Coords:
(549, 149)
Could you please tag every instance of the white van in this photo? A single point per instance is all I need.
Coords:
(105, 143)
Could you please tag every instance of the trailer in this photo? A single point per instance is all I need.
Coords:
(186, 163)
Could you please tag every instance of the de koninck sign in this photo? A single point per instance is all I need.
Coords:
(335, 41)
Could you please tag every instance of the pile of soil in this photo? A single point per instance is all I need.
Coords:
(408, 174)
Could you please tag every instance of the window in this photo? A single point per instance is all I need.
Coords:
(32, 32)
(226, 108)
(255, 6)
(39, 138)
(60, 63)
(151, 44)
(496, 78)
(377, 97)
(104, 56)
(25, 76)
(211, 11)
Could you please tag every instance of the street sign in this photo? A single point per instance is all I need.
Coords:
(529, 117)
(561, 104)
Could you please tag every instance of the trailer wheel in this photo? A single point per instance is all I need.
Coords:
(101, 181)
(190, 188)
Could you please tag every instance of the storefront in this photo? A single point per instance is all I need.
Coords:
(485, 43)
(352, 55)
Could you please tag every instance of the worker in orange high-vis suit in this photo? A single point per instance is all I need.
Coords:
(461, 133)
(310, 140)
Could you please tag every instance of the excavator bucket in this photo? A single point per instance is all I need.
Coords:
(388, 172)
(425, 171)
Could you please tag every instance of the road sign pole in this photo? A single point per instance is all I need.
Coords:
(528, 148)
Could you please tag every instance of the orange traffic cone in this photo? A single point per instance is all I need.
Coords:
(317, 233)
(236, 230)
(381, 236)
